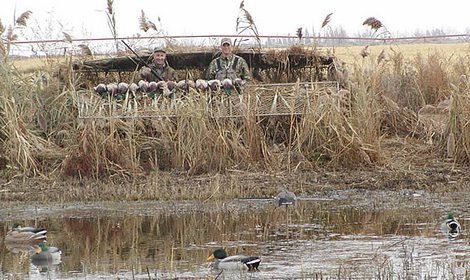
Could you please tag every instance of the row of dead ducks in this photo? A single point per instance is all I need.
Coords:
(168, 88)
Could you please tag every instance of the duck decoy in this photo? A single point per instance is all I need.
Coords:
(237, 262)
(25, 235)
(285, 197)
(451, 226)
(45, 254)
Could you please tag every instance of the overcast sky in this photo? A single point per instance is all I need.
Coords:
(193, 17)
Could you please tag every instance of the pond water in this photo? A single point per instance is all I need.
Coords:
(355, 234)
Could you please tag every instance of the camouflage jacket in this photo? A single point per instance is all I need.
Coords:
(166, 72)
(230, 67)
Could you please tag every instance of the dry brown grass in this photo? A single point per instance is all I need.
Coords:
(383, 97)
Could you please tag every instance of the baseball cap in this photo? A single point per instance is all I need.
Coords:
(225, 41)
(159, 49)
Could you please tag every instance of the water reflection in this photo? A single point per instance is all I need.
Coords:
(363, 236)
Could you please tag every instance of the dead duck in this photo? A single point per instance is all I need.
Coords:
(45, 254)
(101, 89)
(451, 226)
(214, 85)
(201, 84)
(25, 235)
(143, 85)
(237, 262)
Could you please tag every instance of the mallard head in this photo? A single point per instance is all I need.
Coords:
(41, 247)
(450, 216)
(219, 254)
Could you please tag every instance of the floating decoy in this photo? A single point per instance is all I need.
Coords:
(285, 197)
(45, 254)
(25, 235)
(451, 226)
(214, 85)
(222, 261)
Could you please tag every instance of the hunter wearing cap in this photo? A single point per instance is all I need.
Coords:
(228, 65)
(160, 66)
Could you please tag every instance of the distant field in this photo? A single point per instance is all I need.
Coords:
(347, 54)
(350, 54)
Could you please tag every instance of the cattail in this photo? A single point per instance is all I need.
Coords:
(67, 37)
(299, 33)
(86, 51)
(381, 57)
(2, 28)
(21, 20)
(365, 52)
(326, 20)
(373, 23)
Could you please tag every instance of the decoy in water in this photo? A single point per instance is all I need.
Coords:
(451, 226)
(237, 262)
(285, 197)
(46, 254)
(25, 235)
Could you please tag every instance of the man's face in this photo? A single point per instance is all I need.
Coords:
(159, 58)
(226, 49)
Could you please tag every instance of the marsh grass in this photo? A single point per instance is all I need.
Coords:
(42, 134)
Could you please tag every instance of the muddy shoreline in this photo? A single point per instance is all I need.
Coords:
(406, 164)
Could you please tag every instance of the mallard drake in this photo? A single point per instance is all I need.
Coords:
(222, 261)
(451, 226)
(46, 254)
(285, 197)
(25, 235)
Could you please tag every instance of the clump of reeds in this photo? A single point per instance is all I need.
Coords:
(245, 22)
(455, 143)
(376, 25)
